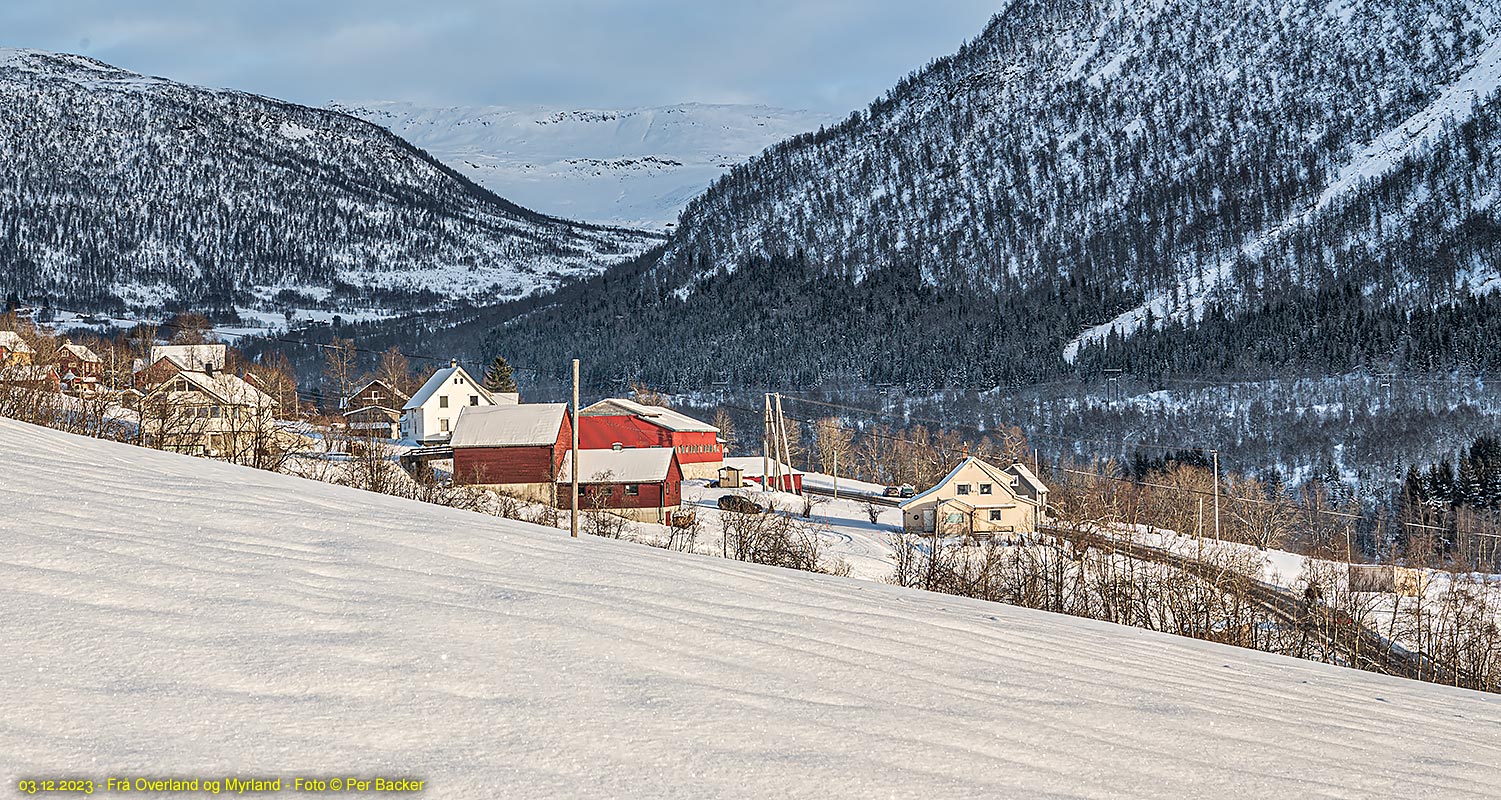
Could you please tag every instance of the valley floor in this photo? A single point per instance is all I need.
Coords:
(172, 616)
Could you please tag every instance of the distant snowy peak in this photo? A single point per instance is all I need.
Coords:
(633, 167)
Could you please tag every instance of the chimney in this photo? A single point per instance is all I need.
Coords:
(453, 362)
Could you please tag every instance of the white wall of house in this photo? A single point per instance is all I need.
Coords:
(437, 405)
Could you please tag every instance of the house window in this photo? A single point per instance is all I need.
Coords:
(473, 399)
(986, 488)
(996, 514)
(953, 518)
(632, 489)
(442, 401)
(375, 397)
(443, 425)
(962, 488)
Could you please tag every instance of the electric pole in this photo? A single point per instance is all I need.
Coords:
(1216, 494)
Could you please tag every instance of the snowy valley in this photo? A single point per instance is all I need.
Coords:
(634, 168)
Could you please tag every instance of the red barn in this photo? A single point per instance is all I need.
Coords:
(633, 425)
(518, 449)
(644, 484)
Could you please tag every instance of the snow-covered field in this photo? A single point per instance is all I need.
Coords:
(170, 616)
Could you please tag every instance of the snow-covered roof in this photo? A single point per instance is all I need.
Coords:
(527, 425)
(437, 381)
(191, 356)
(27, 374)
(223, 386)
(395, 392)
(84, 354)
(990, 469)
(12, 341)
(1027, 476)
(657, 415)
(630, 465)
(750, 466)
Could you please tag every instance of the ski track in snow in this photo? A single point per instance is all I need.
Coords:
(174, 616)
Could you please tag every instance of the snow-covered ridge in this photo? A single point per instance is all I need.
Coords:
(349, 203)
(180, 616)
(635, 167)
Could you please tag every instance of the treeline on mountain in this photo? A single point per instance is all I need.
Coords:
(1144, 150)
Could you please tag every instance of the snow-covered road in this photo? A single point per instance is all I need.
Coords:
(169, 616)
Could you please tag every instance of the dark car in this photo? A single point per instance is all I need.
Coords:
(740, 505)
(905, 490)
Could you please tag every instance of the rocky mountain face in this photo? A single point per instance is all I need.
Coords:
(634, 167)
(120, 190)
(1097, 184)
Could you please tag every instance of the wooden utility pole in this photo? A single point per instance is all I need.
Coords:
(573, 474)
(766, 442)
(785, 451)
(1216, 494)
(835, 447)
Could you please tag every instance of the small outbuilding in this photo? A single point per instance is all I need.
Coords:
(644, 483)
(751, 467)
(517, 449)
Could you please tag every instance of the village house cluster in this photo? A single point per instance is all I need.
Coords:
(633, 457)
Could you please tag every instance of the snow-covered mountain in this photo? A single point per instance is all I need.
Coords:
(636, 167)
(1087, 166)
(121, 188)
(177, 616)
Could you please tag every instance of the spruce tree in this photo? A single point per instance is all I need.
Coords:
(498, 377)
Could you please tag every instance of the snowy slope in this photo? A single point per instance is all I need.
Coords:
(636, 167)
(183, 617)
(125, 190)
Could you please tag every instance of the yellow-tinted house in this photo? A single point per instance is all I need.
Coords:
(14, 351)
(979, 499)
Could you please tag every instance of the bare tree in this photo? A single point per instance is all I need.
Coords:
(339, 369)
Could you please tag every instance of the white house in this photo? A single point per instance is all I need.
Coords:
(429, 416)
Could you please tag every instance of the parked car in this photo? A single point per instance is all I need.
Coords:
(740, 505)
(905, 490)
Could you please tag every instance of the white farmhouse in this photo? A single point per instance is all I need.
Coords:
(429, 416)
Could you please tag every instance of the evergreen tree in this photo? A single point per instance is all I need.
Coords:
(498, 377)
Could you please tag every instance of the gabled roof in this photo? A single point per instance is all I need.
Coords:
(1027, 476)
(437, 381)
(657, 415)
(12, 341)
(222, 386)
(527, 425)
(395, 393)
(84, 354)
(191, 356)
(996, 473)
(630, 465)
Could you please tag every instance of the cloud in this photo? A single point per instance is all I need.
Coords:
(832, 55)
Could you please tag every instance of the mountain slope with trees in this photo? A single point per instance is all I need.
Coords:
(120, 190)
(1082, 168)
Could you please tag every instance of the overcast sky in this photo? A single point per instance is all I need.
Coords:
(828, 55)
